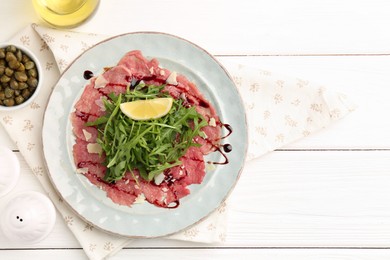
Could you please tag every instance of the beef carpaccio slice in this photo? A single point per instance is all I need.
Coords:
(173, 183)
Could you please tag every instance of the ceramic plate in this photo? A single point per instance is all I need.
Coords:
(144, 220)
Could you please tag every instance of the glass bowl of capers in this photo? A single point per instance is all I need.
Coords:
(20, 76)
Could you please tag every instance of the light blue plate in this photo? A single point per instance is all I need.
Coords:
(144, 220)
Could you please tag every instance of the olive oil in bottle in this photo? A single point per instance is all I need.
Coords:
(65, 13)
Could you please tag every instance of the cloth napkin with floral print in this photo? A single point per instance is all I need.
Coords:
(279, 109)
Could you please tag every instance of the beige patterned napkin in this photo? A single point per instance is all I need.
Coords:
(280, 110)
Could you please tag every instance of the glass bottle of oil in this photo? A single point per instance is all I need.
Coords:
(65, 13)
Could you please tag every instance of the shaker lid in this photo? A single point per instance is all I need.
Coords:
(28, 217)
(9, 170)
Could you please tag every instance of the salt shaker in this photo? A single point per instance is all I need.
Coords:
(27, 218)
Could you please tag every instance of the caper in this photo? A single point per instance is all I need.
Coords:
(9, 92)
(21, 76)
(9, 102)
(14, 84)
(2, 95)
(11, 48)
(14, 64)
(2, 69)
(2, 53)
(9, 72)
(25, 58)
(33, 73)
(17, 92)
(29, 65)
(5, 79)
(3, 62)
(21, 67)
(19, 55)
(32, 82)
(10, 56)
(26, 93)
(22, 85)
(19, 100)
(32, 89)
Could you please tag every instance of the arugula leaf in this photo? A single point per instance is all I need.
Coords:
(150, 146)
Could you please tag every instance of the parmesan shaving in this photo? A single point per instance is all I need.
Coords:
(158, 179)
(82, 170)
(100, 103)
(87, 135)
(94, 148)
(100, 82)
(140, 199)
(212, 122)
(172, 79)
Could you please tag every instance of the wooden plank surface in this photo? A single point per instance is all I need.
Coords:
(217, 254)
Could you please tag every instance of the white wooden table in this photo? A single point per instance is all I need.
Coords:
(324, 197)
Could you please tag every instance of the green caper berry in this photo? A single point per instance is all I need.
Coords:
(10, 56)
(2, 95)
(11, 48)
(22, 85)
(14, 84)
(4, 84)
(9, 92)
(33, 73)
(2, 69)
(21, 76)
(2, 53)
(5, 79)
(19, 55)
(25, 58)
(3, 62)
(14, 64)
(26, 93)
(17, 92)
(9, 102)
(29, 65)
(9, 72)
(32, 89)
(19, 99)
(21, 67)
(32, 82)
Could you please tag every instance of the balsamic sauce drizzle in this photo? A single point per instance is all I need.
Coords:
(229, 128)
(88, 74)
(224, 156)
(227, 148)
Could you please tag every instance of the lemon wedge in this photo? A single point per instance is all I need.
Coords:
(147, 109)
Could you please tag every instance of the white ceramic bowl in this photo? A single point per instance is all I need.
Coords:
(40, 77)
